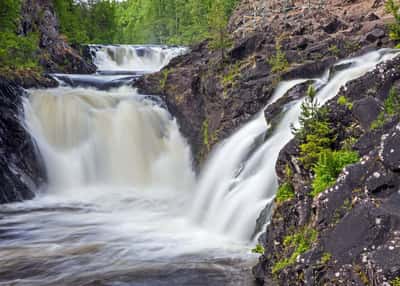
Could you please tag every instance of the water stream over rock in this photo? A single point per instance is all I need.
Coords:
(122, 205)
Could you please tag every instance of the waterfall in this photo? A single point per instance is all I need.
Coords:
(138, 58)
(122, 205)
(91, 137)
(234, 187)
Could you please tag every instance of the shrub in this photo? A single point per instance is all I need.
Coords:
(315, 134)
(18, 51)
(299, 242)
(328, 168)
(391, 107)
(278, 62)
(334, 50)
(395, 282)
(394, 28)
(258, 249)
(326, 257)
(285, 193)
(342, 100)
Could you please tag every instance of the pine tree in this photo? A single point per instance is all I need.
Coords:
(218, 22)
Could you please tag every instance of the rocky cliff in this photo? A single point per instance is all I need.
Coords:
(349, 234)
(211, 96)
(55, 54)
(356, 222)
(21, 168)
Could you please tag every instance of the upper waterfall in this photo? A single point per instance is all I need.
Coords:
(128, 58)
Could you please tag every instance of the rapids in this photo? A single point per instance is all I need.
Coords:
(122, 205)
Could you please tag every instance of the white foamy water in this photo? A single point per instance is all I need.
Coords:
(134, 58)
(122, 205)
(234, 188)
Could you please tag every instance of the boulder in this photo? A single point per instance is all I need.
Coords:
(366, 111)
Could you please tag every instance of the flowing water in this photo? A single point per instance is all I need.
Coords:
(122, 205)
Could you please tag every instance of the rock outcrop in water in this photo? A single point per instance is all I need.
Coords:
(21, 169)
(212, 97)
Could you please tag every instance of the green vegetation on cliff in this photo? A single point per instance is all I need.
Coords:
(329, 166)
(394, 28)
(317, 138)
(296, 244)
(16, 51)
(391, 107)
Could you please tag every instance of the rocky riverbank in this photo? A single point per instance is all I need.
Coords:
(211, 96)
(355, 225)
(21, 166)
(356, 222)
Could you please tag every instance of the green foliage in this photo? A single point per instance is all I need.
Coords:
(328, 168)
(9, 13)
(163, 80)
(259, 249)
(174, 21)
(298, 243)
(326, 257)
(334, 50)
(395, 282)
(16, 51)
(232, 74)
(348, 143)
(394, 28)
(342, 100)
(285, 193)
(217, 23)
(315, 134)
(94, 21)
(278, 62)
(206, 140)
(391, 107)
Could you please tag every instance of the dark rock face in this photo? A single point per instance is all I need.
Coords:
(358, 219)
(21, 170)
(56, 54)
(366, 111)
(211, 97)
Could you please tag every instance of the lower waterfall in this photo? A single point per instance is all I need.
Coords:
(123, 205)
(90, 137)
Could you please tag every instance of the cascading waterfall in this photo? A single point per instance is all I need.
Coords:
(122, 205)
(137, 58)
(233, 188)
(119, 137)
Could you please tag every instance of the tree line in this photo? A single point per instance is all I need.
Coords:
(180, 22)
(143, 21)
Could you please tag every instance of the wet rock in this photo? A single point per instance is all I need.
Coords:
(333, 26)
(21, 167)
(366, 111)
(357, 231)
(273, 110)
(372, 17)
(375, 35)
(390, 149)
